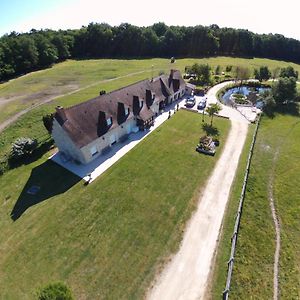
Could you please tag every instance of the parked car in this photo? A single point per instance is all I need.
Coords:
(190, 102)
(201, 104)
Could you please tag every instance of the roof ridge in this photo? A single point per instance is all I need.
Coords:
(104, 95)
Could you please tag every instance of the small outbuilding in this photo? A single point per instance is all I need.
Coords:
(189, 88)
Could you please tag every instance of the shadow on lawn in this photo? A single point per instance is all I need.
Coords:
(291, 109)
(210, 130)
(46, 181)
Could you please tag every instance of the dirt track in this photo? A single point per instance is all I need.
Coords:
(48, 99)
(186, 276)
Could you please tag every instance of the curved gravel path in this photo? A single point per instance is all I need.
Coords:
(186, 276)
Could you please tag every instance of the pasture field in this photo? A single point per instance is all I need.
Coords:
(60, 237)
(108, 239)
(74, 75)
(276, 155)
(90, 76)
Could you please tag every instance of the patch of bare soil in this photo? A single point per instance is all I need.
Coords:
(48, 96)
(277, 230)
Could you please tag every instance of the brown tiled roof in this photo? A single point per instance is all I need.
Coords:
(86, 121)
(145, 113)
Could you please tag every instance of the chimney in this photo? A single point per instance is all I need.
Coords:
(172, 73)
(61, 113)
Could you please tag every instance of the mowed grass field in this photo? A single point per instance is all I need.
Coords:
(253, 269)
(71, 75)
(108, 239)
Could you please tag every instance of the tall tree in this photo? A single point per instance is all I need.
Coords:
(202, 72)
(212, 109)
(242, 73)
(284, 90)
(47, 51)
(263, 73)
(63, 44)
(288, 72)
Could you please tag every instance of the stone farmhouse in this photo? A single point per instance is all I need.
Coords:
(84, 131)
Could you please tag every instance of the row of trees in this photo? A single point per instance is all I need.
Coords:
(21, 53)
(200, 74)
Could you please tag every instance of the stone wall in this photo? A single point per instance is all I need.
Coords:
(105, 141)
(65, 144)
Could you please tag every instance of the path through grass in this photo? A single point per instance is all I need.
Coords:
(254, 263)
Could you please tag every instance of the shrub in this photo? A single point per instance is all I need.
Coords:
(55, 291)
(228, 68)
(22, 147)
(102, 92)
(3, 166)
(48, 122)
(218, 70)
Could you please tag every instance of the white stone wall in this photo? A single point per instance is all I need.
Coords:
(155, 107)
(64, 143)
(105, 140)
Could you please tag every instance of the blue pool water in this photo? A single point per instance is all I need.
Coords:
(244, 90)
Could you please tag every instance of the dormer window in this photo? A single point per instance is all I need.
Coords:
(109, 121)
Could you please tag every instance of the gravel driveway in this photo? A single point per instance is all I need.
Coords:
(186, 276)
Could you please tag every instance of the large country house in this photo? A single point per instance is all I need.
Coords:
(84, 131)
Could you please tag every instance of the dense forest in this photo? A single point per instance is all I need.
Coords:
(21, 53)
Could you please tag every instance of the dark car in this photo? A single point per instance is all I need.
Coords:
(202, 104)
(190, 102)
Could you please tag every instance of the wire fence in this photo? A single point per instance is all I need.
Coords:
(238, 218)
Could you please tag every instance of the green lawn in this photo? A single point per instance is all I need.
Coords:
(71, 75)
(253, 268)
(106, 240)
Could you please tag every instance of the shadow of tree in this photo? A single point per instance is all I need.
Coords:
(48, 180)
(291, 109)
(288, 109)
(210, 130)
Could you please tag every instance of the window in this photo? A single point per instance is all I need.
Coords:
(109, 121)
(93, 150)
(126, 111)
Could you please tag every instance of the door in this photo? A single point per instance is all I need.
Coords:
(112, 139)
(128, 128)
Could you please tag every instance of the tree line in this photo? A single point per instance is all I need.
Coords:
(25, 52)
